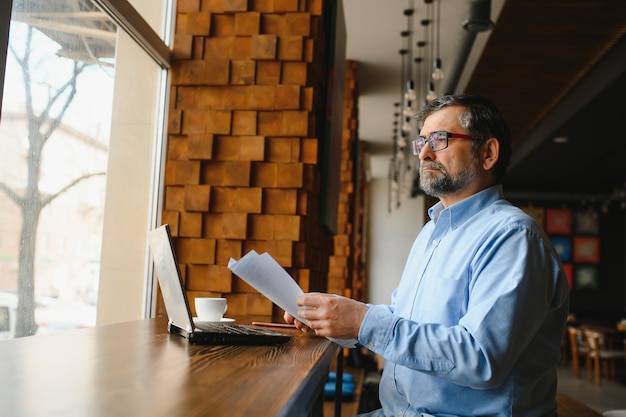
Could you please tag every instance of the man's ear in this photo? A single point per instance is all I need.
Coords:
(490, 153)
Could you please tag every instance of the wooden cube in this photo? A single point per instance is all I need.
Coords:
(171, 218)
(237, 173)
(234, 225)
(287, 228)
(268, 72)
(235, 5)
(264, 175)
(261, 97)
(215, 279)
(216, 72)
(190, 224)
(295, 123)
(195, 251)
(309, 151)
(213, 173)
(176, 147)
(245, 123)
(196, 24)
(290, 48)
(194, 121)
(174, 198)
(270, 123)
(287, 97)
(174, 121)
(183, 46)
(200, 146)
(265, 6)
(197, 197)
(217, 121)
(279, 201)
(252, 147)
(285, 5)
(273, 24)
(222, 25)
(212, 226)
(264, 46)
(188, 6)
(260, 227)
(298, 24)
(227, 249)
(294, 73)
(217, 48)
(241, 48)
(186, 172)
(235, 97)
(248, 199)
(226, 148)
(290, 175)
(247, 23)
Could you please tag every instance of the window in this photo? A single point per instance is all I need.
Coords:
(80, 131)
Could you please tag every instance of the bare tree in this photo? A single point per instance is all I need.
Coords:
(31, 200)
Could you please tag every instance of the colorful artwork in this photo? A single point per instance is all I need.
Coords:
(559, 221)
(586, 222)
(586, 249)
(569, 272)
(586, 277)
(563, 246)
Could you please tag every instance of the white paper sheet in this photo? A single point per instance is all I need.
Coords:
(270, 279)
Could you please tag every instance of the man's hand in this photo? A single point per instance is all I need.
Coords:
(329, 315)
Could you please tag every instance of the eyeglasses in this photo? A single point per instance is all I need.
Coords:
(437, 141)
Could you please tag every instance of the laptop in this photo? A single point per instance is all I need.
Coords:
(180, 320)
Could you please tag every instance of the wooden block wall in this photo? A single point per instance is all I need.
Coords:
(346, 272)
(242, 167)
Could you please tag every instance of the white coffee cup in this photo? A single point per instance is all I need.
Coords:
(210, 308)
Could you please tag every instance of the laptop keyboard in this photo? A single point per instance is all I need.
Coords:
(234, 329)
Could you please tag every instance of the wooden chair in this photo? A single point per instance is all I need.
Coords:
(578, 348)
(600, 355)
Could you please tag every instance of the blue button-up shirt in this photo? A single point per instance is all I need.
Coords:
(475, 325)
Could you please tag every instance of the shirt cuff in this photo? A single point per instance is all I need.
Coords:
(377, 328)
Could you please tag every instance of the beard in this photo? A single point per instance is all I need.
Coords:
(442, 183)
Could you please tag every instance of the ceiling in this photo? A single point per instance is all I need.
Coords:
(556, 68)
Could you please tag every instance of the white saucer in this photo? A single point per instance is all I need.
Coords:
(223, 320)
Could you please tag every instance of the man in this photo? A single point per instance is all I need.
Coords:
(475, 325)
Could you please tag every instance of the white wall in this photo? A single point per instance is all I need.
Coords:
(391, 235)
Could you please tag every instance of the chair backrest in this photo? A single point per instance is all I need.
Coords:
(576, 340)
(593, 340)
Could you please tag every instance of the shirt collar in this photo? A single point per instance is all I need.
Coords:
(466, 208)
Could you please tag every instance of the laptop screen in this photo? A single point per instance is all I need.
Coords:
(168, 275)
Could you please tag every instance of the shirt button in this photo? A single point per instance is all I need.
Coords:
(371, 343)
(435, 242)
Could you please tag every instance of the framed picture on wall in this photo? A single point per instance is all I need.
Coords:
(586, 249)
(569, 272)
(563, 246)
(558, 221)
(586, 222)
(586, 277)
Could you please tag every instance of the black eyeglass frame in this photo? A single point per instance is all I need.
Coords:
(418, 144)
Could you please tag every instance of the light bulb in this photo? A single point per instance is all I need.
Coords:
(406, 127)
(437, 71)
(407, 112)
(431, 92)
(402, 142)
